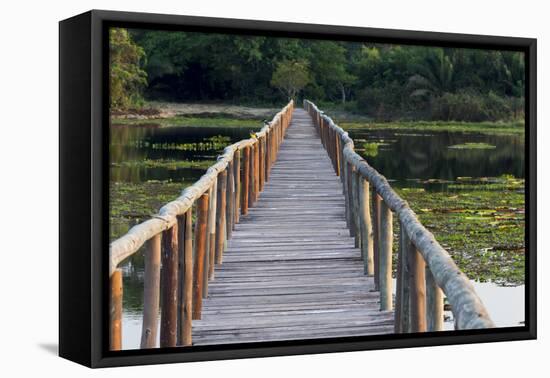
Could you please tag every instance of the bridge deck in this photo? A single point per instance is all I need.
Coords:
(291, 270)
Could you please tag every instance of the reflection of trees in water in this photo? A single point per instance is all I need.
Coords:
(428, 156)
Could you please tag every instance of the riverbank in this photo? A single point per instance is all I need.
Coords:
(488, 128)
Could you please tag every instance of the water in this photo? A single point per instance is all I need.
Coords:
(407, 158)
(152, 142)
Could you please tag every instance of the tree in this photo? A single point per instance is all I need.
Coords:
(434, 76)
(290, 77)
(329, 66)
(127, 79)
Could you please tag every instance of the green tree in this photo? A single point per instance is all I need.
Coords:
(434, 76)
(127, 79)
(290, 77)
(329, 65)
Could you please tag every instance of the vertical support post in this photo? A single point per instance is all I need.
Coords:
(169, 301)
(434, 303)
(366, 227)
(151, 293)
(349, 192)
(245, 186)
(386, 243)
(418, 290)
(376, 200)
(261, 160)
(115, 332)
(237, 173)
(220, 219)
(403, 324)
(257, 170)
(337, 158)
(267, 154)
(186, 266)
(230, 198)
(346, 197)
(356, 207)
(252, 177)
(200, 252)
(211, 258)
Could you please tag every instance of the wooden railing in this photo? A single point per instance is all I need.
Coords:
(425, 270)
(228, 188)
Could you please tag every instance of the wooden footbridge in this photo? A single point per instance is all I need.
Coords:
(289, 236)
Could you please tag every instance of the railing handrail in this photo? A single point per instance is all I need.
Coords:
(466, 306)
(128, 244)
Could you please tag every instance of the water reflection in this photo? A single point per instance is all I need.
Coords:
(404, 156)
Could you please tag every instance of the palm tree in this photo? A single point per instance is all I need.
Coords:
(433, 77)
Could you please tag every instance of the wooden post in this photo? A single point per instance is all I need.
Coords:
(220, 218)
(349, 192)
(261, 150)
(151, 293)
(386, 243)
(245, 186)
(418, 290)
(337, 157)
(267, 154)
(376, 199)
(345, 192)
(252, 177)
(169, 301)
(366, 227)
(356, 207)
(403, 282)
(257, 171)
(237, 167)
(211, 258)
(200, 252)
(116, 311)
(434, 303)
(230, 198)
(186, 266)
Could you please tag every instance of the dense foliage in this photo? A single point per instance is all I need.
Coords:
(127, 78)
(383, 81)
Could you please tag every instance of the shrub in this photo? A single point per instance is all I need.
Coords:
(475, 107)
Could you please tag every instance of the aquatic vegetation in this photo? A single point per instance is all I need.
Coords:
(492, 128)
(191, 122)
(170, 164)
(132, 203)
(482, 229)
(473, 146)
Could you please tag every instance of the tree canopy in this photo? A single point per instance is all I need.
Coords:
(381, 80)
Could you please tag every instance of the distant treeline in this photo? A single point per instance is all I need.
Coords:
(380, 80)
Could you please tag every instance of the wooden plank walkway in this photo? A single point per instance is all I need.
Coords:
(291, 270)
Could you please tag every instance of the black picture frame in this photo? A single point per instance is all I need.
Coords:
(83, 196)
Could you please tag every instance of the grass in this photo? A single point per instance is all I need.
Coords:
(192, 122)
(500, 128)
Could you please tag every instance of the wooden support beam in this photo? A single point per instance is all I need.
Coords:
(386, 243)
(151, 293)
(186, 309)
(434, 304)
(418, 290)
(115, 334)
(200, 252)
(169, 276)
(220, 218)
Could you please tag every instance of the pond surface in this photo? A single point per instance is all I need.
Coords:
(411, 159)
(409, 156)
(154, 143)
